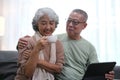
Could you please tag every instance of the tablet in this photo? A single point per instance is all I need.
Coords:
(96, 71)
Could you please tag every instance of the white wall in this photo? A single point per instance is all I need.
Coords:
(103, 23)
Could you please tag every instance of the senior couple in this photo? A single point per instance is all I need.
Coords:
(65, 59)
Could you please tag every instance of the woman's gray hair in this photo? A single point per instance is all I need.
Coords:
(82, 12)
(40, 13)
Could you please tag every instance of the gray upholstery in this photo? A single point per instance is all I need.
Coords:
(8, 56)
(8, 65)
(117, 72)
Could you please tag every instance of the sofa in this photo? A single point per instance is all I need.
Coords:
(8, 66)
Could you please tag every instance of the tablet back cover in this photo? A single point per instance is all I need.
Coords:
(96, 71)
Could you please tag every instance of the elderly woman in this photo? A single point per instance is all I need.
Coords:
(40, 59)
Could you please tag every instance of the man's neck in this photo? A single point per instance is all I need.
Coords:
(75, 37)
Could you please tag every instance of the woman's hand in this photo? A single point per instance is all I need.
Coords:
(26, 54)
(42, 43)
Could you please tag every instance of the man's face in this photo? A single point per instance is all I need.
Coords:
(75, 24)
(46, 26)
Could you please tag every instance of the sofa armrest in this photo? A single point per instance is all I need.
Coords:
(117, 72)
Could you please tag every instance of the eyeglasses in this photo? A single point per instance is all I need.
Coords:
(74, 21)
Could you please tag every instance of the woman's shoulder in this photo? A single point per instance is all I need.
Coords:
(28, 40)
(59, 44)
(26, 37)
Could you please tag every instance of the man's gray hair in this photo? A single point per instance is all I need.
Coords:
(82, 12)
(44, 11)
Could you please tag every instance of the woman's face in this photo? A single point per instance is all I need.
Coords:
(46, 26)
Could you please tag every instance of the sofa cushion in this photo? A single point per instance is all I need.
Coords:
(8, 65)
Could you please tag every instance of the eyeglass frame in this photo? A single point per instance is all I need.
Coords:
(73, 22)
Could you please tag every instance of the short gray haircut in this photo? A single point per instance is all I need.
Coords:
(82, 12)
(44, 11)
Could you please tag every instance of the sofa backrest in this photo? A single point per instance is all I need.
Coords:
(8, 56)
(8, 65)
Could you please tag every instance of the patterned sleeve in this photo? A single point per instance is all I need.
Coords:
(22, 58)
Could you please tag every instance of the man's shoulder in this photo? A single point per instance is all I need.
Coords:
(62, 36)
(88, 43)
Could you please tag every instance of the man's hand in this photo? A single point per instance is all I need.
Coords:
(22, 42)
(110, 75)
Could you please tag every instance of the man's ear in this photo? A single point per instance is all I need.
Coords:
(85, 25)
